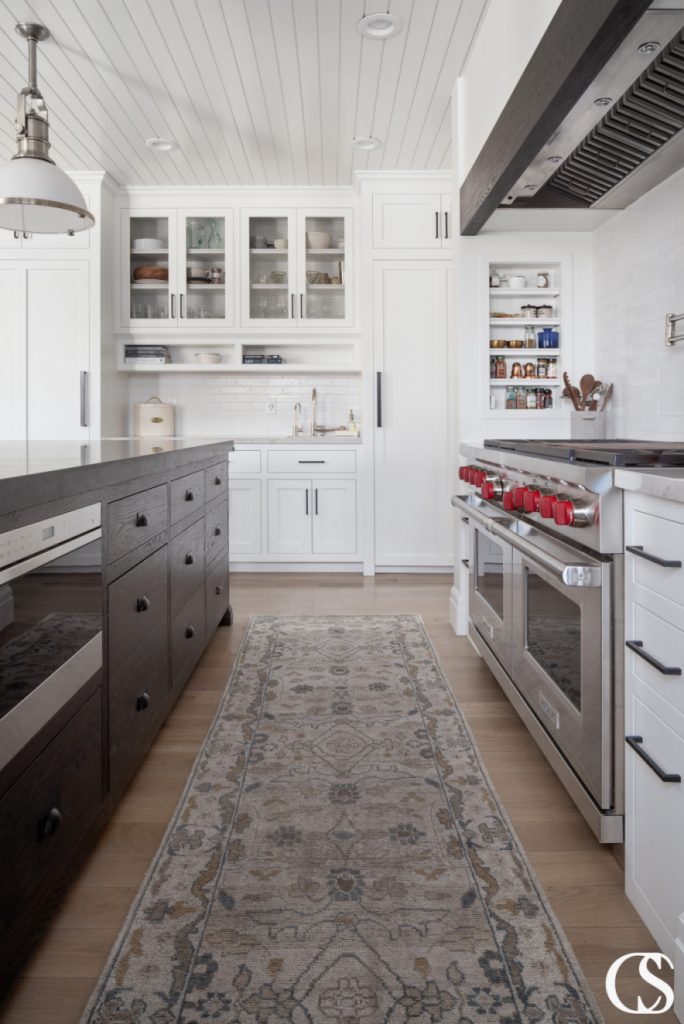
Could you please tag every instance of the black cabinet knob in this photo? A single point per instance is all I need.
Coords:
(141, 519)
(189, 559)
(142, 604)
(217, 481)
(219, 590)
(217, 531)
(142, 701)
(50, 823)
(189, 496)
(189, 632)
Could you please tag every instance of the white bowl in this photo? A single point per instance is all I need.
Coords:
(280, 243)
(147, 244)
(208, 357)
(318, 239)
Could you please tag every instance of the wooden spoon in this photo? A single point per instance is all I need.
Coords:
(586, 386)
(572, 392)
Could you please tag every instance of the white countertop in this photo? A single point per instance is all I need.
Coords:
(299, 439)
(660, 482)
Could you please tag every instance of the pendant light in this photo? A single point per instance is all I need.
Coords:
(35, 196)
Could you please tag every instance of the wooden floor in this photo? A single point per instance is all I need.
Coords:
(583, 881)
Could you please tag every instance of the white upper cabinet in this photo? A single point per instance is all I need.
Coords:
(412, 220)
(176, 268)
(294, 268)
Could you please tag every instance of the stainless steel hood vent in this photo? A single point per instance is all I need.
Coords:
(645, 118)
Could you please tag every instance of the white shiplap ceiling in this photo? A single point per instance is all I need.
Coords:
(255, 92)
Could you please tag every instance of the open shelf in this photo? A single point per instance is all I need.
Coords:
(525, 293)
(519, 353)
(519, 321)
(525, 382)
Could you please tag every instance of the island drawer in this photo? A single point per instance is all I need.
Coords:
(138, 603)
(48, 810)
(138, 700)
(216, 481)
(186, 564)
(187, 637)
(217, 593)
(311, 461)
(133, 520)
(216, 531)
(187, 495)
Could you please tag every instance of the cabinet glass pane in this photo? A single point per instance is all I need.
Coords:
(149, 266)
(554, 636)
(269, 285)
(205, 262)
(325, 243)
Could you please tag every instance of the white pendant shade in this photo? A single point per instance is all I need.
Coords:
(36, 197)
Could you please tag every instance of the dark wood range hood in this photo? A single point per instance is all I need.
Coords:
(554, 147)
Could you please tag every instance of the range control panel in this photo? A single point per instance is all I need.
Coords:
(18, 545)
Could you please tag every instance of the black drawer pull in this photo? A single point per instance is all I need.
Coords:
(465, 519)
(637, 647)
(633, 742)
(189, 632)
(189, 496)
(142, 604)
(466, 562)
(311, 462)
(189, 559)
(142, 702)
(219, 590)
(141, 519)
(217, 531)
(218, 481)
(50, 823)
(667, 563)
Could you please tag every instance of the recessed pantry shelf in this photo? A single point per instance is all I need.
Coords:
(529, 293)
(524, 382)
(519, 321)
(520, 353)
(268, 287)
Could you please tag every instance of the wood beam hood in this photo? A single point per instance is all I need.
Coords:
(580, 39)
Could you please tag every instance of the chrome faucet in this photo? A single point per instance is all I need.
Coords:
(313, 412)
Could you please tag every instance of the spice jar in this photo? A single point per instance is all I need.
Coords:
(528, 311)
(545, 312)
(516, 370)
(531, 399)
(542, 367)
(552, 370)
(520, 398)
(530, 370)
(510, 398)
(500, 368)
(530, 340)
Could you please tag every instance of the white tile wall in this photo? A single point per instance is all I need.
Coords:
(639, 277)
(216, 404)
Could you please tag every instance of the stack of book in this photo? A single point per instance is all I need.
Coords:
(146, 354)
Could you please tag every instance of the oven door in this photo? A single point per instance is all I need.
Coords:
(562, 654)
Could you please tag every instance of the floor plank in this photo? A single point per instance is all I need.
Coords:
(583, 881)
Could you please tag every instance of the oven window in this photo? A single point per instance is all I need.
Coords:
(47, 616)
(489, 575)
(553, 635)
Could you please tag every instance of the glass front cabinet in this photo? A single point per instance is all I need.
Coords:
(176, 268)
(294, 270)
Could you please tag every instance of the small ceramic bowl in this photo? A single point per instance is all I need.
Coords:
(278, 277)
(280, 243)
(208, 357)
(318, 239)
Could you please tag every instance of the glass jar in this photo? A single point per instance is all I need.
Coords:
(516, 370)
(531, 398)
(552, 369)
(542, 367)
(500, 368)
(530, 340)
(530, 369)
(520, 398)
(510, 398)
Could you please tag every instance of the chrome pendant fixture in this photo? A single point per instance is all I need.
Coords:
(35, 196)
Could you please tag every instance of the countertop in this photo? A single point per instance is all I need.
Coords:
(660, 482)
(300, 439)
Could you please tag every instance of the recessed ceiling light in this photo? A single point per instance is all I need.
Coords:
(650, 47)
(366, 142)
(160, 144)
(380, 26)
(603, 101)
(554, 159)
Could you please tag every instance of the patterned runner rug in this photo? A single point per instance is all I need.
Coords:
(339, 856)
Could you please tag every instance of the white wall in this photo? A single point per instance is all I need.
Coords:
(640, 278)
(508, 34)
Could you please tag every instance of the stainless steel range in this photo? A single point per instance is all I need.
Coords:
(545, 565)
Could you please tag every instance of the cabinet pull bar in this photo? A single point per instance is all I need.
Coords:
(189, 632)
(667, 563)
(180, 304)
(306, 502)
(142, 604)
(378, 397)
(84, 398)
(316, 501)
(173, 306)
(466, 562)
(292, 306)
(637, 646)
(436, 223)
(311, 462)
(465, 519)
(446, 225)
(142, 702)
(301, 306)
(633, 742)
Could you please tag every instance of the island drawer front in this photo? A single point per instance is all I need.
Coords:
(186, 564)
(311, 461)
(133, 520)
(138, 604)
(245, 461)
(187, 637)
(216, 481)
(138, 700)
(48, 810)
(187, 495)
(217, 593)
(216, 531)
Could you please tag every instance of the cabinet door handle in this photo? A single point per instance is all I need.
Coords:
(217, 481)
(189, 496)
(306, 502)
(466, 562)
(637, 646)
(142, 701)
(633, 742)
(50, 823)
(141, 519)
(378, 397)
(84, 397)
(436, 223)
(173, 306)
(217, 531)
(189, 632)
(446, 225)
(189, 559)
(301, 306)
(180, 305)
(219, 590)
(316, 501)
(311, 462)
(465, 519)
(667, 563)
(292, 306)
(142, 604)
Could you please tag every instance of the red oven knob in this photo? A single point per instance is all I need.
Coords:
(476, 477)
(531, 500)
(519, 496)
(462, 472)
(469, 474)
(508, 503)
(491, 488)
(546, 505)
(564, 513)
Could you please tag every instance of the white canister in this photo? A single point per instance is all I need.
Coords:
(154, 418)
(517, 281)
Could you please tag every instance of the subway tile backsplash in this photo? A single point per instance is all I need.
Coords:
(209, 405)
(639, 261)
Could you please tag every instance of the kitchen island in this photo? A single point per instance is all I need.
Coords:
(123, 616)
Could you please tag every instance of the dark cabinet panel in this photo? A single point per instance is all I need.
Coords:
(133, 520)
(138, 604)
(216, 594)
(187, 495)
(186, 564)
(216, 481)
(216, 531)
(187, 638)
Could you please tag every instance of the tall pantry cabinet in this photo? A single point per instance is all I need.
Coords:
(410, 271)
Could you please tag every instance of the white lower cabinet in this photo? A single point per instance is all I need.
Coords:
(334, 518)
(311, 517)
(289, 517)
(654, 713)
(244, 503)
